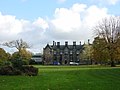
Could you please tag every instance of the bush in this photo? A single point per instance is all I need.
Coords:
(25, 70)
(17, 63)
(9, 70)
(25, 62)
(32, 62)
(30, 70)
(7, 63)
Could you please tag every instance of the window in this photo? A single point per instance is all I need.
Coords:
(61, 52)
(71, 52)
(77, 52)
(66, 52)
(54, 52)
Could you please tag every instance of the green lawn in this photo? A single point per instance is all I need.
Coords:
(65, 78)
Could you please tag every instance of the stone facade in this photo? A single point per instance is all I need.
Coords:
(62, 54)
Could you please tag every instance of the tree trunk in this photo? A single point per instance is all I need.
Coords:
(113, 64)
(112, 59)
(91, 61)
(111, 55)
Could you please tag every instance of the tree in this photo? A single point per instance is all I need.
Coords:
(109, 31)
(25, 56)
(8, 56)
(21, 59)
(18, 58)
(22, 54)
(4, 57)
(100, 54)
(18, 44)
(87, 53)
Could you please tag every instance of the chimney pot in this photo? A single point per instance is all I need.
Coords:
(58, 44)
(80, 42)
(66, 43)
(74, 43)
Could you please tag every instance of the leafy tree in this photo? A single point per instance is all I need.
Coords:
(86, 54)
(8, 56)
(117, 51)
(3, 54)
(26, 55)
(100, 53)
(18, 59)
(109, 30)
(4, 57)
(22, 55)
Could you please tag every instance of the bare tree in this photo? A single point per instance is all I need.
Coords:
(18, 44)
(109, 30)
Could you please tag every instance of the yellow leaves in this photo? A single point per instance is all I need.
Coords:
(23, 54)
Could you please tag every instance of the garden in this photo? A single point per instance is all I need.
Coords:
(84, 77)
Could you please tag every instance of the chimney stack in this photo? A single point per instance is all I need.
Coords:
(74, 43)
(58, 44)
(88, 41)
(66, 43)
(53, 43)
(80, 42)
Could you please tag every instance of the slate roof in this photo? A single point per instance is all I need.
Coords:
(62, 47)
(66, 45)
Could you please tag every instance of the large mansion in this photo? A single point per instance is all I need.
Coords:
(62, 54)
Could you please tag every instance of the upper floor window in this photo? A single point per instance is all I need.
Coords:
(66, 52)
(54, 52)
(77, 52)
(71, 52)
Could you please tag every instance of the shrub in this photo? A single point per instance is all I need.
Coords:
(32, 62)
(9, 70)
(7, 63)
(24, 62)
(25, 70)
(30, 70)
(17, 63)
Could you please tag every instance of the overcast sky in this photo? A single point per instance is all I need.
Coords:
(39, 22)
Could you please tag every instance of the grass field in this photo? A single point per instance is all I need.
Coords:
(65, 78)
